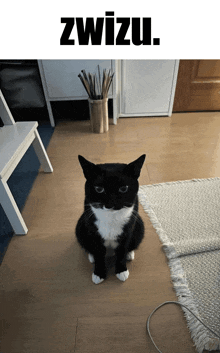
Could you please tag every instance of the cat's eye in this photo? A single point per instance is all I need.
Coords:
(123, 189)
(99, 189)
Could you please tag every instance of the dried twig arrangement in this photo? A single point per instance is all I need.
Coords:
(97, 86)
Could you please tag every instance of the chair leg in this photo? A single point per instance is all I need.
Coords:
(42, 154)
(11, 209)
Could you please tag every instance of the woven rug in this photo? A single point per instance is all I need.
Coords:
(186, 217)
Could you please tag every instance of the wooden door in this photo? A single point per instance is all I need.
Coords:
(198, 86)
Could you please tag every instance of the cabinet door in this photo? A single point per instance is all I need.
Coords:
(62, 79)
(147, 87)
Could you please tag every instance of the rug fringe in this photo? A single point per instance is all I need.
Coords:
(201, 336)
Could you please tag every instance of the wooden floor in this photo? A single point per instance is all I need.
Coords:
(48, 300)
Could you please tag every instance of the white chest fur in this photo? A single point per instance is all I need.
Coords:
(110, 223)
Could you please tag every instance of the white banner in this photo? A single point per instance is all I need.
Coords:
(157, 29)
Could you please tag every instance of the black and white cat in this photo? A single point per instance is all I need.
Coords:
(110, 218)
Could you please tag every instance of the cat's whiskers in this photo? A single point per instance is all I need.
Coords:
(96, 204)
(87, 213)
(135, 215)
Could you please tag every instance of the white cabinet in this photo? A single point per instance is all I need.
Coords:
(147, 87)
(61, 82)
(62, 77)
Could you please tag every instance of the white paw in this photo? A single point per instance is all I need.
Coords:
(123, 275)
(130, 255)
(97, 279)
(91, 258)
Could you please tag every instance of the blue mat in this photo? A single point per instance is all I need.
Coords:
(20, 184)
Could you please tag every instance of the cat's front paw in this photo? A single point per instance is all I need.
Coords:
(130, 256)
(96, 279)
(91, 258)
(123, 275)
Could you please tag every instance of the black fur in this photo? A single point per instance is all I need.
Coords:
(111, 177)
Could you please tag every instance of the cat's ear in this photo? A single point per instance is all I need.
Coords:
(90, 170)
(133, 169)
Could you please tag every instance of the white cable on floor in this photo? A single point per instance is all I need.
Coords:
(173, 302)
